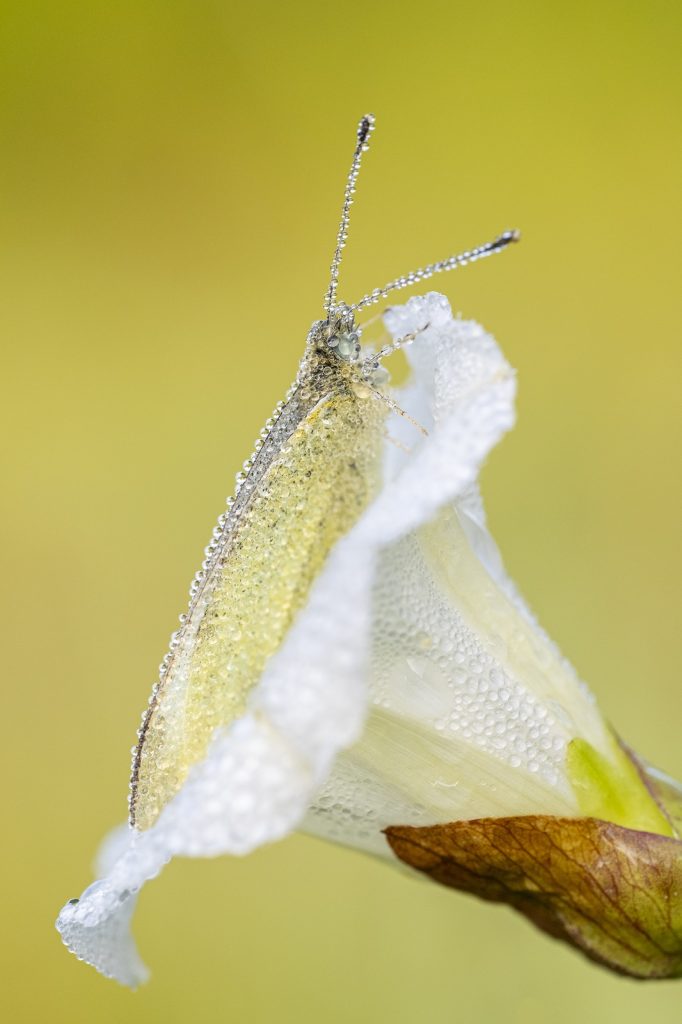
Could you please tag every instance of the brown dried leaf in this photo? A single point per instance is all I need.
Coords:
(612, 892)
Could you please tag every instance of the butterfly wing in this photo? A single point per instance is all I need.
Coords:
(315, 474)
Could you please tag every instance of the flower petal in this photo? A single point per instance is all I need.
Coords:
(465, 390)
(107, 945)
(251, 788)
(474, 708)
(261, 772)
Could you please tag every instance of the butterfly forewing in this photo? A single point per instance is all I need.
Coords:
(316, 472)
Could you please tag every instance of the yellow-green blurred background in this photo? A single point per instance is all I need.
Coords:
(170, 181)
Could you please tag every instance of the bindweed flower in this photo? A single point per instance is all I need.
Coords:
(413, 708)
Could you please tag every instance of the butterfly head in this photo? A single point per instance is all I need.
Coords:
(338, 334)
(341, 334)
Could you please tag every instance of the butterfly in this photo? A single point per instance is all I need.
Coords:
(316, 466)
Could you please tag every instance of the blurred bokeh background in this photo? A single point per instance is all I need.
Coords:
(170, 182)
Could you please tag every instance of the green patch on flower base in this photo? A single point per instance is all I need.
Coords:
(614, 893)
(613, 789)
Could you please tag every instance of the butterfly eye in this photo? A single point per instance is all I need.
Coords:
(346, 345)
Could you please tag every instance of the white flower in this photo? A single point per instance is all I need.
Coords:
(414, 688)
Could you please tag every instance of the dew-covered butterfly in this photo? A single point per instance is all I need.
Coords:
(315, 467)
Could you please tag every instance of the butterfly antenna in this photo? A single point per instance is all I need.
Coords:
(470, 256)
(365, 128)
